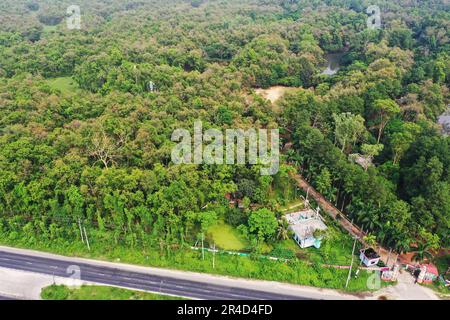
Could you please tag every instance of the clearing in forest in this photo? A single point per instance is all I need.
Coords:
(63, 84)
(273, 94)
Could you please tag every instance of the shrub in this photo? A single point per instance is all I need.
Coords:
(55, 292)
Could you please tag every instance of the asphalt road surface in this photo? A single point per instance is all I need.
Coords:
(136, 280)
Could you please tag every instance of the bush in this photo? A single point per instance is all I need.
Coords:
(55, 292)
(235, 217)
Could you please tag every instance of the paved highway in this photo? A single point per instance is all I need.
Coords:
(135, 280)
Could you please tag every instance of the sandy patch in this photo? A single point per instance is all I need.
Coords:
(273, 94)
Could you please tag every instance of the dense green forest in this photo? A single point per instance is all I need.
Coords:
(86, 138)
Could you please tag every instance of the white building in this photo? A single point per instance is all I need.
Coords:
(369, 257)
(304, 224)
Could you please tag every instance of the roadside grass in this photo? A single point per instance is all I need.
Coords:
(61, 292)
(226, 237)
(442, 291)
(63, 84)
(443, 264)
(296, 271)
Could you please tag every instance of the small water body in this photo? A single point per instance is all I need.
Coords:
(444, 121)
(333, 63)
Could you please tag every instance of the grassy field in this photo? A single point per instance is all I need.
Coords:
(60, 292)
(63, 84)
(226, 237)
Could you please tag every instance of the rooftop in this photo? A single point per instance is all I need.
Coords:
(305, 222)
(371, 254)
(296, 217)
(431, 268)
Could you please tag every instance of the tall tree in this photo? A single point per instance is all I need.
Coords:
(386, 109)
(348, 128)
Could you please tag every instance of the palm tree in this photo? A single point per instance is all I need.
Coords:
(283, 229)
(368, 219)
(422, 253)
(371, 240)
(383, 232)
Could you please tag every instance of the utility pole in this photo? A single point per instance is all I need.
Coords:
(81, 231)
(87, 240)
(214, 256)
(389, 257)
(203, 249)
(351, 266)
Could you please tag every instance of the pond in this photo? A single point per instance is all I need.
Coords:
(332, 63)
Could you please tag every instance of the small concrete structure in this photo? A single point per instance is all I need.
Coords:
(391, 275)
(304, 224)
(428, 273)
(369, 257)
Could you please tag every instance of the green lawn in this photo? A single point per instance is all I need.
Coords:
(226, 237)
(63, 84)
(60, 292)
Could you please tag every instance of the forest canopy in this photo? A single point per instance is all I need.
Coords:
(86, 116)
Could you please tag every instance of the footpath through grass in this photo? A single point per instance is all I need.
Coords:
(61, 292)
